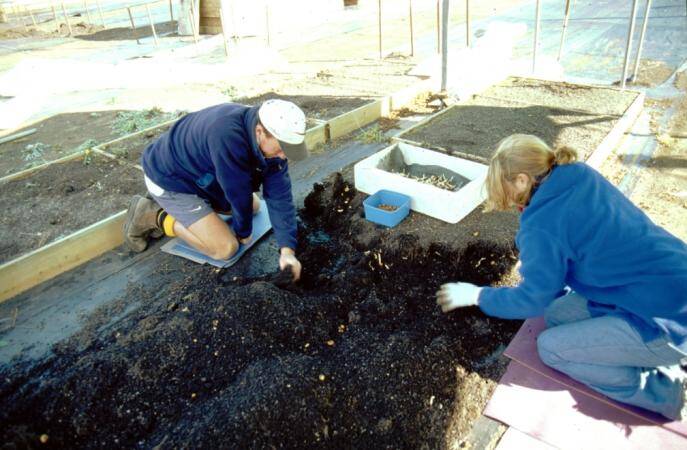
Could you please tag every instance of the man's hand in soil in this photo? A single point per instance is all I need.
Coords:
(457, 295)
(288, 259)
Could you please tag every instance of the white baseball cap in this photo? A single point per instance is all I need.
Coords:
(286, 122)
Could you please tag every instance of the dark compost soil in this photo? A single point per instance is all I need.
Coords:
(357, 355)
(321, 107)
(61, 199)
(475, 128)
(62, 134)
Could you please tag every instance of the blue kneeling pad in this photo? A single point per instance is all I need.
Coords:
(261, 225)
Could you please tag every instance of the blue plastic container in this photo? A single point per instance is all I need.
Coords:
(381, 216)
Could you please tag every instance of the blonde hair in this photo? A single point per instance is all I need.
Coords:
(516, 154)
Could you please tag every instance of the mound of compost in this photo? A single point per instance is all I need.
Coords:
(357, 354)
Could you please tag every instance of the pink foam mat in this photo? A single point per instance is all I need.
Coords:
(558, 416)
(523, 349)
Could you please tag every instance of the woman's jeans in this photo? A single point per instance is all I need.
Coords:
(609, 356)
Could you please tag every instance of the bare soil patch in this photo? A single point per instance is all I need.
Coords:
(316, 107)
(143, 30)
(132, 147)
(475, 128)
(356, 355)
(59, 135)
(15, 31)
(561, 95)
(681, 81)
(652, 73)
(61, 199)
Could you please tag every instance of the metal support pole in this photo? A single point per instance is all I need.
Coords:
(193, 21)
(565, 28)
(410, 16)
(641, 40)
(171, 12)
(192, 15)
(267, 21)
(33, 19)
(23, 22)
(88, 13)
(66, 19)
(224, 33)
(628, 47)
(467, 23)
(152, 25)
(100, 12)
(444, 43)
(54, 13)
(379, 26)
(438, 29)
(537, 19)
(133, 25)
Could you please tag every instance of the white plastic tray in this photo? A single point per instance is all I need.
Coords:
(439, 203)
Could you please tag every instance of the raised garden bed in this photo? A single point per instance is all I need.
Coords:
(60, 198)
(68, 133)
(558, 94)
(320, 107)
(473, 128)
(356, 355)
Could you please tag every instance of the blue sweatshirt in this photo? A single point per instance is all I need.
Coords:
(580, 231)
(213, 153)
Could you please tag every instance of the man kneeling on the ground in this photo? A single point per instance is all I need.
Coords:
(213, 161)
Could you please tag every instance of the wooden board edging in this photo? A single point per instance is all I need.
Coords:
(353, 120)
(26, 172)
(42, 264)
(613, 138)
(317, 135)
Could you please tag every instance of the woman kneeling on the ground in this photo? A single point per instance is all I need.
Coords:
(611, 284)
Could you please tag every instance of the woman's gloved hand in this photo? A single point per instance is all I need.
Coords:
(457, 295)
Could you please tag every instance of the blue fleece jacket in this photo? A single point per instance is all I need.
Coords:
(213, 153)
(580, 231)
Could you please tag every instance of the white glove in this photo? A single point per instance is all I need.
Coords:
(287, 258)
(457, 295)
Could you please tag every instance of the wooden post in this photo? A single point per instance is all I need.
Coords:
(100, 11)
(224, 33)
(379, 27)
(565, 28)
(267, 21)
(410, 16)
(537, 18)
(467, 23)
(628, 47)
(133, 25)
(171, 12)
(66, 19)
(641, 40)
(152, 25)
(88, 13)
